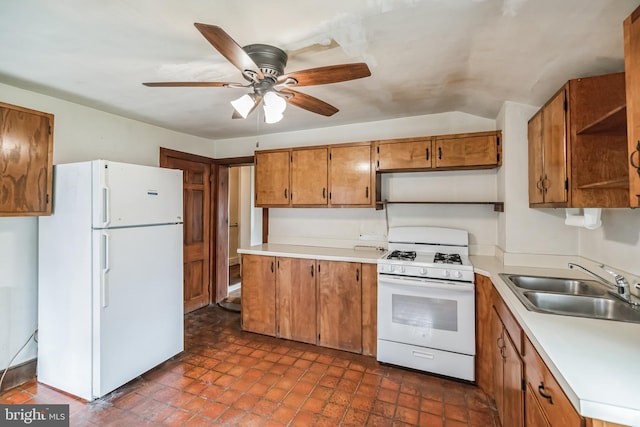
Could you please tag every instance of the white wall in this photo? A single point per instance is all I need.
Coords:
(80, 134)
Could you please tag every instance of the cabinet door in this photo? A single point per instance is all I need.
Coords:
(369, 309)
(296, 299)
(340, 305)
(259, 294)
(351, 175)
(414, 153)
(26, 144)
(272, 178)
(513, 397)
(554, 137)
(497, 338)
(309, 177)
(632, 84)
(467, 151)
(534, 415)
(536, 192)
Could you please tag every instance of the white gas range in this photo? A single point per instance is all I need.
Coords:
(426, 302)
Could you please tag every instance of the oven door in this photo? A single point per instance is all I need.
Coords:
(427, 312)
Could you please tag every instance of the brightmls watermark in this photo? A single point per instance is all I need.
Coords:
(34, 415)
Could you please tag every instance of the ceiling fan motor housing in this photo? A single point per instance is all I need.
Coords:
(269, 59)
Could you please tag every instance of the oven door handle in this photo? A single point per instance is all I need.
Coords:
(426, 283)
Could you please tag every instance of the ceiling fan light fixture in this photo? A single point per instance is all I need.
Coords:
(274, 107)
(244, 104)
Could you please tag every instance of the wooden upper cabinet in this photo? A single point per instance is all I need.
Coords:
(26, 150)
(340, 305)
(309, 177)
(351, 177)
(632, 76)
(579, 138)
(478, 150)
(296, 299)
(272, 178)
(404, 154)
(259, 294)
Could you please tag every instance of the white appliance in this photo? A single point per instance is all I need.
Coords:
(426, 302)
(110, 303)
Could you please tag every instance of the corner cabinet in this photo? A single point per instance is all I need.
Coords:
(632, 75)
(26, 151)
(578, 146)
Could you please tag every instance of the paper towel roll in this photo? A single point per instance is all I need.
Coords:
(590, 218)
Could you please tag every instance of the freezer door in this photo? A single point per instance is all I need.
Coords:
(129, 195)
(137, 302)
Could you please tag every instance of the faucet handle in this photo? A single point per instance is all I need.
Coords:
(620, 279)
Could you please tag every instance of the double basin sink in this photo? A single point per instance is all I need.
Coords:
(570, 297)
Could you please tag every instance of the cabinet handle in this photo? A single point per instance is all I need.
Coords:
(312, 271)
(543, 394)
(637, 151)
(439, 153)
(324, 192)
(366, 192)
(285, 194)
(357, 274)
(272, 266)
(426, 153)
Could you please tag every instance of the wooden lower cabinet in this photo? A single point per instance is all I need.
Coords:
(259, 294)
(296, 299)
(328, 303)
(534, 415)
(340, 305)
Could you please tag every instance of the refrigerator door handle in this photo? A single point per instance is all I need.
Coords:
(105, 206)
(105, 269)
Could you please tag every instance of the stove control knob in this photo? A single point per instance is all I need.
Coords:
(391, 268)
(457, 274)
(445, 273)
(401, 269)
(423, 271)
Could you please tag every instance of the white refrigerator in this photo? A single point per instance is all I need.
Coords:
(110, 276)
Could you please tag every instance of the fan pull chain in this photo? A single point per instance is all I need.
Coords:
(258, 128)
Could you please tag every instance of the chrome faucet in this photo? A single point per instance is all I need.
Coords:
(621, 285)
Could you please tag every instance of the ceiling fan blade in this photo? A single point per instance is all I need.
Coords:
(309, 103)
(328, 74)
(257, 102)
(229, 48)
(191, 84)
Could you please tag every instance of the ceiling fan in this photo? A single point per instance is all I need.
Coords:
(263, 67)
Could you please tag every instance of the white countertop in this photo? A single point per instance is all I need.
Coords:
(366, 255)
(596, 362)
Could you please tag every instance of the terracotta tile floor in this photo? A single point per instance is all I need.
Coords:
(230, 377)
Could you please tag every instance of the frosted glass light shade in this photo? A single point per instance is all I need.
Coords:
(243, 105)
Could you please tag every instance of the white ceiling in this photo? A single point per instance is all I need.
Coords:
(426, 56)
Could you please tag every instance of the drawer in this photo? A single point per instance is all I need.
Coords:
(509, 322)
(558, 409)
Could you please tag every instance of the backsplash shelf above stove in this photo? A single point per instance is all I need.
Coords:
(497, 206)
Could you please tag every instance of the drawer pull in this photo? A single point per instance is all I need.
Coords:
(543, 394)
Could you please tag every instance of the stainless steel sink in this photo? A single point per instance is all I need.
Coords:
(570, 297)
(557, 284)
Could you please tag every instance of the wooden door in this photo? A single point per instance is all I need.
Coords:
(26, 150)
(554, 137)
(536, 192)
(513, 397)
(466, 151)
(632, 84)
(405, 154)
(272, 178)
(340, 305)
(296, 299)
(309, 177)
(259, 294)
(197, 225)
(350, 175)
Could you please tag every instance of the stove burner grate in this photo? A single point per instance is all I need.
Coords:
(441, 258)
(402, 255)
